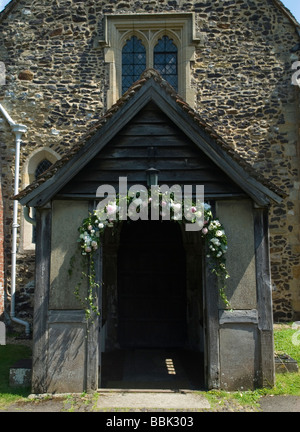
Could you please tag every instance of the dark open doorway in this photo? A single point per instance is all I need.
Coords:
(159, 296)
(155, 368)
(151, 286)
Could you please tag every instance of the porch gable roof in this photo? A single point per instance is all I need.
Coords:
(151, 87)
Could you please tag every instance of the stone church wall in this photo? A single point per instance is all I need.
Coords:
(57, 82)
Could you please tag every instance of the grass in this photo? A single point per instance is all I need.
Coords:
(10, 354)
(286, 340)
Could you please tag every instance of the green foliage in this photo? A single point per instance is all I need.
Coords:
(92, 229)
(89, 302)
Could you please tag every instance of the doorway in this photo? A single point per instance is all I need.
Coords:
(151, 286)
(158, 303)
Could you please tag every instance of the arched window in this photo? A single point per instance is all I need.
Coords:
(42, 167)
(37, 163)
(165, 60)
(174, 37)
(133, 62)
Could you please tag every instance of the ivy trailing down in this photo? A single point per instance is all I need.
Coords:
(92, 229)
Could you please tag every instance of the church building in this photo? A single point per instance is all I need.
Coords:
(121, 99)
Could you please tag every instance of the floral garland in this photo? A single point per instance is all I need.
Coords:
(212, 231)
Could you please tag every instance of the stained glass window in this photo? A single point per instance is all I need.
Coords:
(133, 62)
(165, 60)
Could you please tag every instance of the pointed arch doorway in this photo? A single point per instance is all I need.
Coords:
(158, 308)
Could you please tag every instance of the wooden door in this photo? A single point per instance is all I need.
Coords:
(151, 285)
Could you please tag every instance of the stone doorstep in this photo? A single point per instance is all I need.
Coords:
(153, 400)
(285, 363)
(20, 373)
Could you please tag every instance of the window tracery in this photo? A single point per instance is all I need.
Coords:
(133, 62)
(169, 41)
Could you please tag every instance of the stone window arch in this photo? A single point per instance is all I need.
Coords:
(37, 162)
(149, 29)
(40, 169)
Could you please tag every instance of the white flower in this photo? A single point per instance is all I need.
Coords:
(219, 233)
(215, 241)
(94, 245)
(111, 208)
(101, 225)
(176, 217)
(176, 207)
(214, 224)
(207, 206)
(87, 240)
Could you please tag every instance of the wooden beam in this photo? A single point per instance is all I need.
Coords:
(93, 327)
(211, 301)
(264, 296)
(41, 300)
